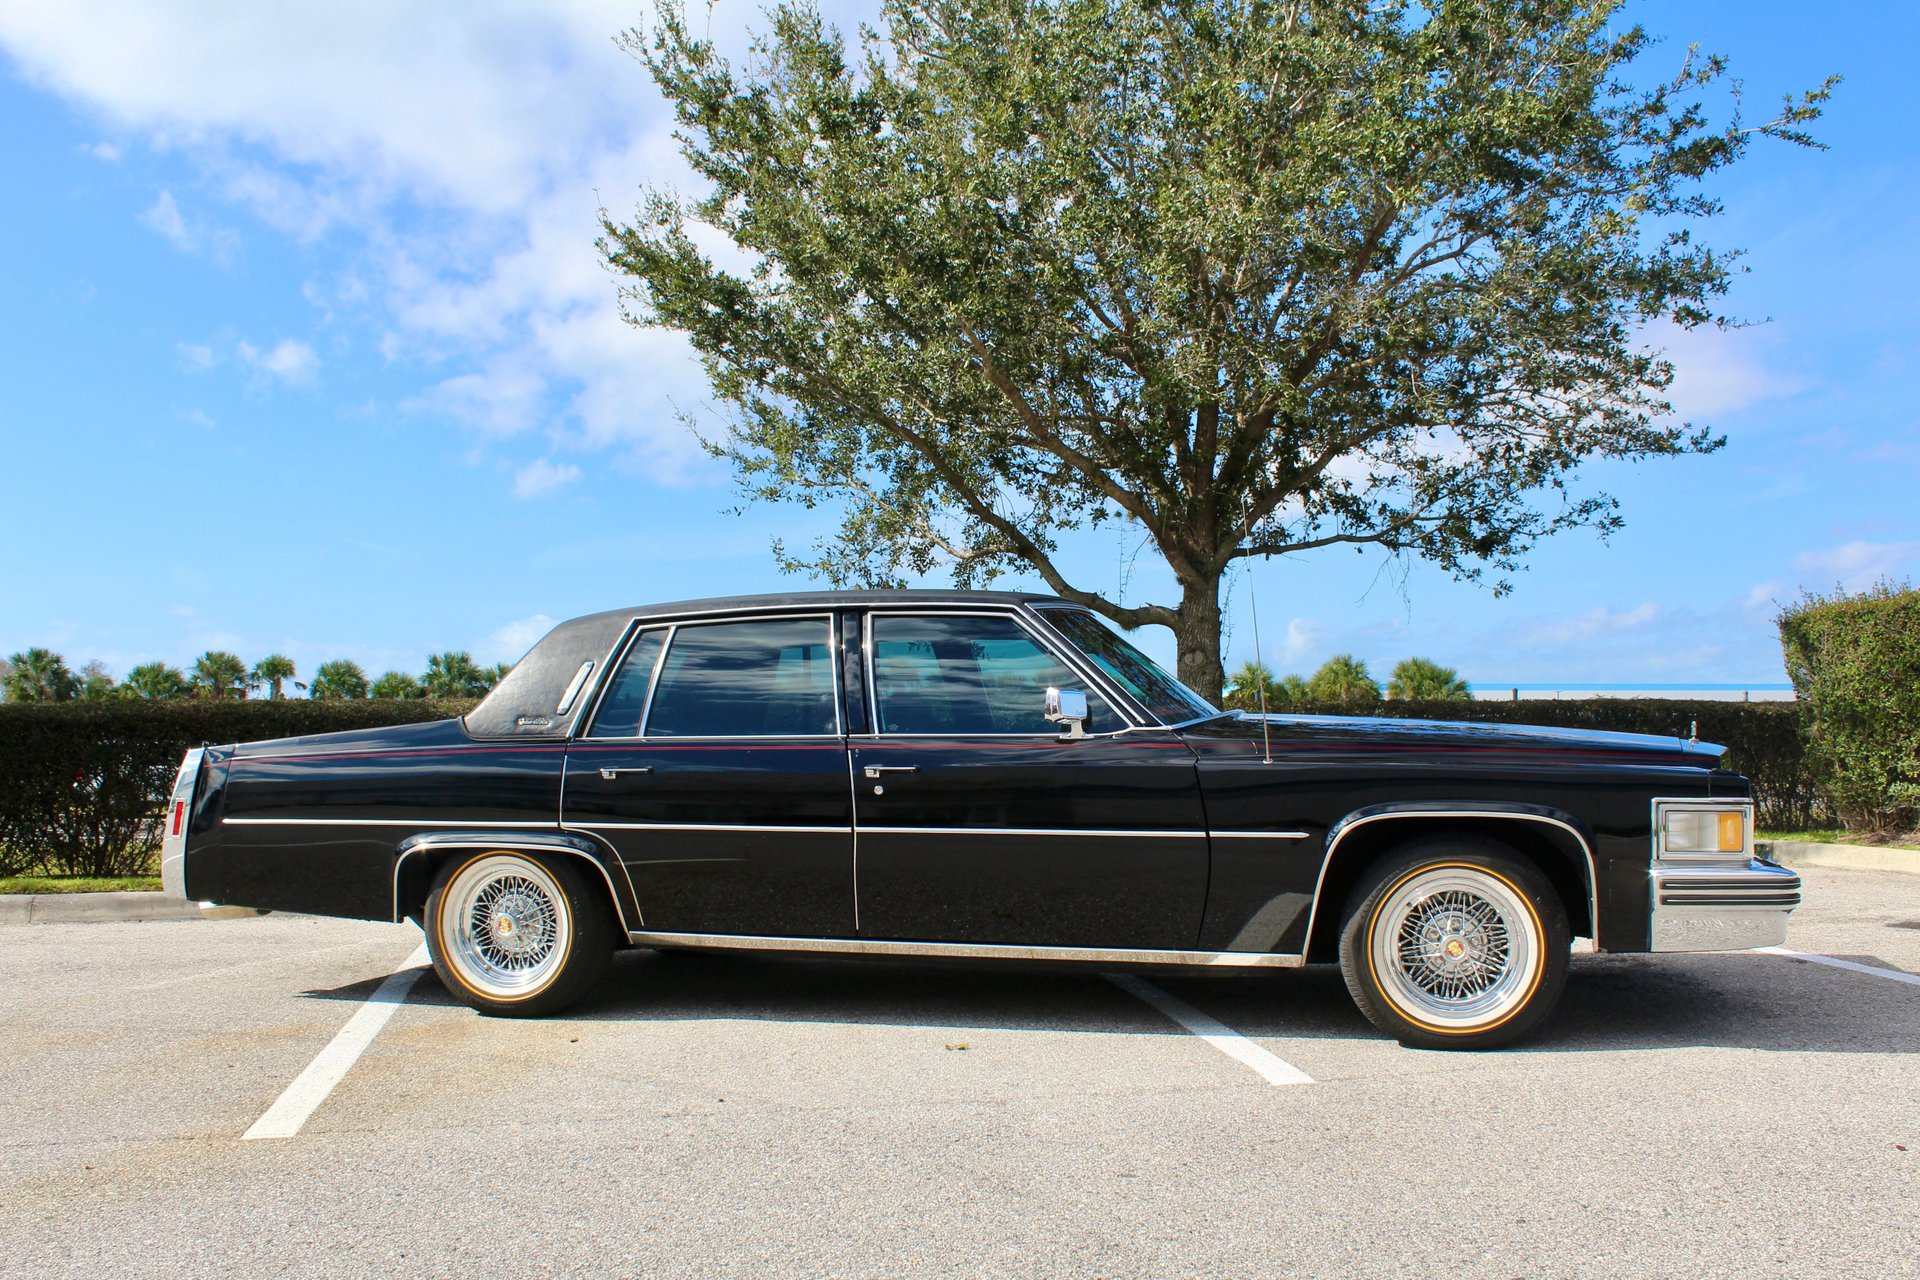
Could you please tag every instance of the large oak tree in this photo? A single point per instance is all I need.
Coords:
(1258, 276)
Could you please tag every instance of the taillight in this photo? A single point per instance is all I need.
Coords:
(179, 815)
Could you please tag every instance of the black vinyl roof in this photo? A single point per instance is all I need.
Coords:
(819, 600)
(524, 704)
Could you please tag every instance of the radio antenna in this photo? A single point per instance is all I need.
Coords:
(1266, 727)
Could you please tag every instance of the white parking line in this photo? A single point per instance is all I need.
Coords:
(311, 1087)
(1893, 975)
(1273, 1069)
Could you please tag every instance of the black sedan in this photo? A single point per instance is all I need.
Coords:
(970, 774)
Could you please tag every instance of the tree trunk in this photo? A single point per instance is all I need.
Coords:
(1196, 632)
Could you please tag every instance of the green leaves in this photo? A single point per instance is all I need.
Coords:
(1257, 277)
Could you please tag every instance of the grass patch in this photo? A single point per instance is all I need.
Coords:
(1826, 835)
(79, 884)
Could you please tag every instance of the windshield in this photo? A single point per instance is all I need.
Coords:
(1170, 701)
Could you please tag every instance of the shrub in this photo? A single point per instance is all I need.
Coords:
(83, 785)
(1855, 663)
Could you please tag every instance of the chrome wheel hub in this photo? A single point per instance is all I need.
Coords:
(506, 925)
(1456, 947)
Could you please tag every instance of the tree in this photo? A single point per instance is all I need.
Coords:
(1343, 678)
(396, 684)
(273, 671)
(40, 675)
(219, 674)
(1250, 688)
(1257, 276)
(154, 680)
(341, 678)
(454, 675)
(1417, 679)
(96, 682)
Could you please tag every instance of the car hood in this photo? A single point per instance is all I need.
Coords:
(1381, 733)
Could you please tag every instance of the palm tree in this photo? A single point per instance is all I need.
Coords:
(341, 678)
(219, 674)
(496, 673)
(96, 683)
(1250, 688)
(1343, 678)
(453, 675)
(1292, 691)
(154, 680)
(40, 675)
(273, 671)
(396, 684)
(1417, 680)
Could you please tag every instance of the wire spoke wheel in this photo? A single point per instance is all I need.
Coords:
(1456, 947)
(506, 925)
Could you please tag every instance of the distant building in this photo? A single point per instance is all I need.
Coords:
(1706, 692)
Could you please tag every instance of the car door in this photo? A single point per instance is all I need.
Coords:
(978, 823)
(715, 767)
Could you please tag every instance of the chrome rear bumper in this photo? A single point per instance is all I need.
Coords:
(1721, 908)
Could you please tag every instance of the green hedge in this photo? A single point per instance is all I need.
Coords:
(1855, 663)
(1762, 738)
(83, 785)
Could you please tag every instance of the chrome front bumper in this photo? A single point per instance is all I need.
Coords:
(1721, 908)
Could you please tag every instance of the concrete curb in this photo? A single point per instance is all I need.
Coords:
(92, 908)
(1853, 857)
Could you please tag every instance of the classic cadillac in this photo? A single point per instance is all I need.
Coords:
(970, 774)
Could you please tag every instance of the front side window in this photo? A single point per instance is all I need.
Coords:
(969, 674)
(1170, 701)
(772, 678)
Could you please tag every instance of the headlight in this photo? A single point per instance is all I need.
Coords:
(1698, 830)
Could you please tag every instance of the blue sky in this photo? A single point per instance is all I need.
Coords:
(305, 347)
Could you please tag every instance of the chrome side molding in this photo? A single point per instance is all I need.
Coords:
(964, 950)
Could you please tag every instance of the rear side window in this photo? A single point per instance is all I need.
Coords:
(626, 701)
(746, 679)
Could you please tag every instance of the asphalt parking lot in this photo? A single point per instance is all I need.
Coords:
(1709, 1115)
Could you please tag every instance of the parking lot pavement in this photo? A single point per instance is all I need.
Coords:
(767, 1116)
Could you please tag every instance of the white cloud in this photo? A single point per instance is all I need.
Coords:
(1594, 624)
(1856, 565)
(1303, 638)
(542, 479)
(164, 216)
(197, 357)
(1721, 371)
(291, 361)
(456, 167)
(511, 642)
(104, 151)
(198, 417)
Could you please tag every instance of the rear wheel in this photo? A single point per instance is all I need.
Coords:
(1455, 945)
(517, 934)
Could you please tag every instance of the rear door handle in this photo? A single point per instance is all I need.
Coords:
(611, 774)
(875, 770)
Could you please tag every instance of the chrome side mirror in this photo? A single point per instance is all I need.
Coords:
(1068, 707)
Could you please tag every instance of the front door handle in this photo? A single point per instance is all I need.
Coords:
(611, 774)
(875, 770)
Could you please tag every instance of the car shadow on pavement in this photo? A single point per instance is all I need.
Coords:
(1611, 1003)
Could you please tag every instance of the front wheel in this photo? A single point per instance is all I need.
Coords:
(1455, 945)
(517, 934)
